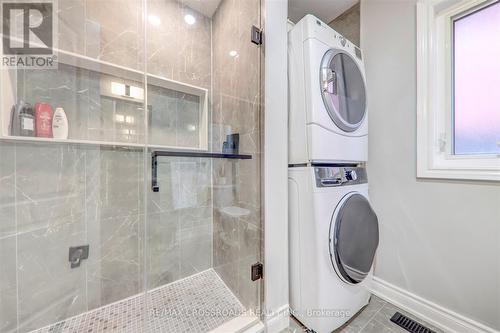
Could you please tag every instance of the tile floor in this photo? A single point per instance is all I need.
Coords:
(373, 319)
(198, 303)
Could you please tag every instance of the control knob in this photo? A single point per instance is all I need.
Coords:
(351, 175)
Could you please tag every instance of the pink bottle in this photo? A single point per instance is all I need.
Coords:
(43, 120)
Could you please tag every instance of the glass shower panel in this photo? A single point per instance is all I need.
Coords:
(204, 219)
(71, 206)
(237, 109)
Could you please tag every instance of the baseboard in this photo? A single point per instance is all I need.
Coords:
(434, 314)
(246, 322)
(278, 320)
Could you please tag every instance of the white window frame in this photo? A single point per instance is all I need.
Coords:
(435, 158)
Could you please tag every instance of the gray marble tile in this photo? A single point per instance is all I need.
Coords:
(362, 318)
(195, 240)
(121, 36)
(163, 263)
(377, 325)
(187, 56)
(8, 284)
(71, 26)
(226, 239)
(7, 190)
(49, 290)
(229, 32)
(92, 39)
(50, 181)
(117, 271)
(115, 180)
(184, 183)
(163, 110)
(249, 254)
(235, 110)
(174, 118)
(188, 120)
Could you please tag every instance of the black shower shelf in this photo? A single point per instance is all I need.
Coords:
(173, 153)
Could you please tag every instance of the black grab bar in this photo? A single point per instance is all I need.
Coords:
(159, 153)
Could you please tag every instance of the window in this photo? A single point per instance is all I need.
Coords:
(458, 101)
(476, 70)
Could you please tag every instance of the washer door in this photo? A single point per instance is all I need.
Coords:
(343, 90)
(353, 238)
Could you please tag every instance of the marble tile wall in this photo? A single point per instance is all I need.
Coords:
(179, 221)
(175, 49)
(55, 196)
(109, 30)
(236, 109)
(8, 293)
(180, 215)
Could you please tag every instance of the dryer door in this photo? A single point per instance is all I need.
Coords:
(353, 238)
(343, 90)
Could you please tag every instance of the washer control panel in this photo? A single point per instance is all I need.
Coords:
(329, 176)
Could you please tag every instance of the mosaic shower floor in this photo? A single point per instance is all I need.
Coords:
(198, 303)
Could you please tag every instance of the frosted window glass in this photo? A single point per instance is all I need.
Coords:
(477, 82)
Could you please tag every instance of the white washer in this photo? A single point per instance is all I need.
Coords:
(333, 239)
(327, 96)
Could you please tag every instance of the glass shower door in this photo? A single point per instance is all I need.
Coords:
(204, 217)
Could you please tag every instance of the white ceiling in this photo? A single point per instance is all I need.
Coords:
(205, 7)
(325, 10)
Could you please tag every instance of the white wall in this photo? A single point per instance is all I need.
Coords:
(276, 165)
(439, 239)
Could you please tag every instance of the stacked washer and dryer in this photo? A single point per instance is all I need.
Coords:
(333, 229)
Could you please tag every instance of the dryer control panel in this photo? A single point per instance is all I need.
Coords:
(329, 176)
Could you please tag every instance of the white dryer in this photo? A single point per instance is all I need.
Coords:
(333, 238)
(327, 96)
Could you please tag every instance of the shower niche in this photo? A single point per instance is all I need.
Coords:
(104, 105)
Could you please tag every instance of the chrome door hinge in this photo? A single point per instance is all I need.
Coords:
(256, 36)
(257, 271)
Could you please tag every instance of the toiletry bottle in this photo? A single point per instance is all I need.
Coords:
(43, 120)
(60, 124)
(26, 120)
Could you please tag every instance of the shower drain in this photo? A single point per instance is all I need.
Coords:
(409, 324)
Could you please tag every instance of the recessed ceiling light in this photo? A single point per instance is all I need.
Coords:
(233, 53)
(190, 19)
(154, 20)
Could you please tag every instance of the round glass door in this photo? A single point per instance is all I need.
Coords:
(354, 238)
(343, 90)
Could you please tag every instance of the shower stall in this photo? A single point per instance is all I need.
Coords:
(145, 216)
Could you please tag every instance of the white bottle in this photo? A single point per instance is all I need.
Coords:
(60, 124)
